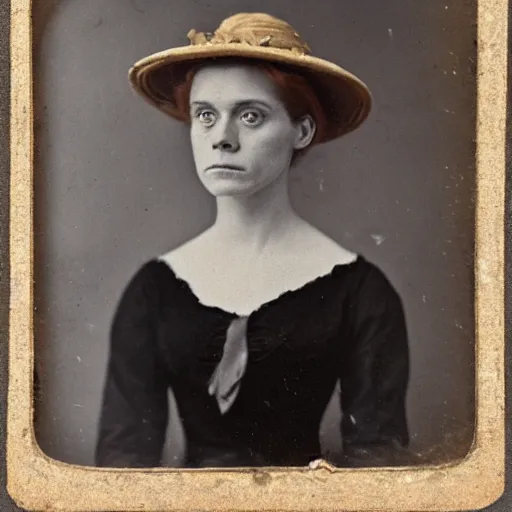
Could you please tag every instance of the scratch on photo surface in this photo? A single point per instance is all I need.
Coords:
(378, 239)
(457, 57)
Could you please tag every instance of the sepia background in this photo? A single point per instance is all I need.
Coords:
(115, 186)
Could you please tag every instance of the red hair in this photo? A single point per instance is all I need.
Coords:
(296, 93)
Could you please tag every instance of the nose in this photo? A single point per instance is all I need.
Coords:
(227, 138)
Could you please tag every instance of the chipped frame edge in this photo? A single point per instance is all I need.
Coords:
(37, 482)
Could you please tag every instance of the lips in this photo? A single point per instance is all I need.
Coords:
(226, 167)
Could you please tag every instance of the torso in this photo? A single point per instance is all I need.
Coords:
(232, 280)
(298, 345)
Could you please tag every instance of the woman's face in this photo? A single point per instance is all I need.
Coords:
(242, 136)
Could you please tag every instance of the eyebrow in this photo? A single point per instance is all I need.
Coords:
(235, 106)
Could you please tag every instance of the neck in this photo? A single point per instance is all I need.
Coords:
(257, 220)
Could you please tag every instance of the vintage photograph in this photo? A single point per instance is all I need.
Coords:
(254, 239)
(256, 255)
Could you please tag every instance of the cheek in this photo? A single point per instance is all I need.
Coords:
(199, 142)
(271, 144)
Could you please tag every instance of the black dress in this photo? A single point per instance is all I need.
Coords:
(347, 325)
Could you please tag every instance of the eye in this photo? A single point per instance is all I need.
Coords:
(252, 117)
(206, 117)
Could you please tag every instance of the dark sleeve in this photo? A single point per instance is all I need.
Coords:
(134, 414)
(374, 375)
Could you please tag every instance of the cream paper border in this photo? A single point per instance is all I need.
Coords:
(37, 482)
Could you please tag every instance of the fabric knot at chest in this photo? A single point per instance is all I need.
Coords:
(226, 379)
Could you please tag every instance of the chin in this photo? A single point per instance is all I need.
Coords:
(240, 186)
(230, 189)
(225, 187)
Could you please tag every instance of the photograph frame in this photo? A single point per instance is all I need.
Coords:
(37, 482)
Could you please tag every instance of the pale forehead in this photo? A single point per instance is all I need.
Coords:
(232, 83)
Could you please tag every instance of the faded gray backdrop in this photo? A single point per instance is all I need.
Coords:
(115, 186)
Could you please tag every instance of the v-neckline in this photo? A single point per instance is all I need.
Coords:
(287, 293)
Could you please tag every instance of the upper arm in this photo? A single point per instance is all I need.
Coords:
(133, 417)
(375, 368)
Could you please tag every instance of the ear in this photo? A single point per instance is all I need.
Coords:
(306, 129)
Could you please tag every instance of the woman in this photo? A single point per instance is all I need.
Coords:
(253, 322)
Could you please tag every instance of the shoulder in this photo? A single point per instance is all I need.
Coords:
(146, 274)
(376, 320)
(136, 312)
(145, 285)
(373, 277)
(371, 291)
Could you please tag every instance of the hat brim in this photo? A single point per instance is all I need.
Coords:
(346, 100)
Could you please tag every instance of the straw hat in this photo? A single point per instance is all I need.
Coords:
(346, 99)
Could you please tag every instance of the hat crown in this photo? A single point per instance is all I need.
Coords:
(255, 29)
